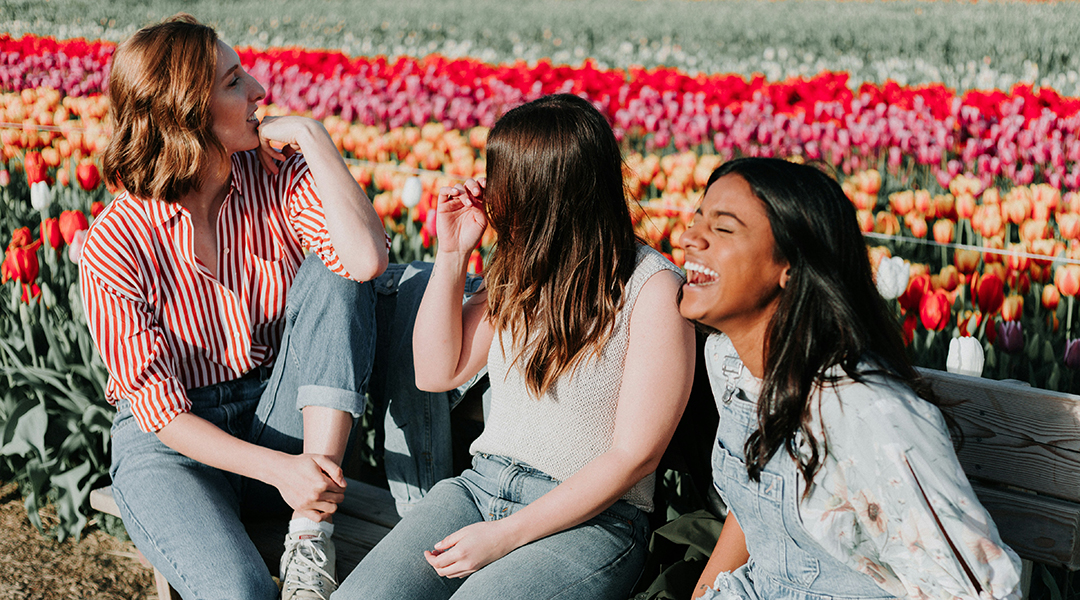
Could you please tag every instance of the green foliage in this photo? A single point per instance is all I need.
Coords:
(54, 420)
(985, 45)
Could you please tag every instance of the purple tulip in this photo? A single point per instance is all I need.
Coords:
(1072, 354)
(1010, 336)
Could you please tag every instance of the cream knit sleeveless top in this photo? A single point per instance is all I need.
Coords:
(574, 422)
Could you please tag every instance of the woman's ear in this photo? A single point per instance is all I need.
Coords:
(784, 276)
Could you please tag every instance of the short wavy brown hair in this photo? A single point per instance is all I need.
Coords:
(159, 104)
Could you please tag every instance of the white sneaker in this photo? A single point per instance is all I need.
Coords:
(307, 567)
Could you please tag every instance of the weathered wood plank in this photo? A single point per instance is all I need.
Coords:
(993, 407)
(369, 503)
(1019, 462)
(1037, 528)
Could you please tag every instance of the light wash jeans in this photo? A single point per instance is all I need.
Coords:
(599, 559)
(185, 517)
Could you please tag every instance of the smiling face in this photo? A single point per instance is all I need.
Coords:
(733, 278)
(233, 102)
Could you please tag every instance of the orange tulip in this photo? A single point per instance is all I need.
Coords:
(1016, 259)
(1012, 308)
(1067, 279)
(943, 231)
(965, 206)
(1069, 225)
(935, 310)
(948, 279)
(917, 225)
(924, 204)
(1050, 297)
(866, 220)
(1034, 229)
(967, 260)
(886, 223)
(945, 206)
(901, 203)
(991, 224)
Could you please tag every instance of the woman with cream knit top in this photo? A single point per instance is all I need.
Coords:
(590, 367)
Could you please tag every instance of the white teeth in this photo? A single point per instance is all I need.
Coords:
(693, 266)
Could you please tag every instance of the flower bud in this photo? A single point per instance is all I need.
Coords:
(892, 277)
(410, 194)
(40, 196)
(965, 357)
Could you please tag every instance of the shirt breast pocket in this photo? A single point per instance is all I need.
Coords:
(269, 282)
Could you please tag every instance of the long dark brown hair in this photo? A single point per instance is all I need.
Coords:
(160, 87)
(566, 244)
(830, 312)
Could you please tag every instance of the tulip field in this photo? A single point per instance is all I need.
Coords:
(969, 195)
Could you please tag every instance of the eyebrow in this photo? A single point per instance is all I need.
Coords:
(716, 214)
(229, 72)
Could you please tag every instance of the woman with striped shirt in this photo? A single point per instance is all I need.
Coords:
(237, 373)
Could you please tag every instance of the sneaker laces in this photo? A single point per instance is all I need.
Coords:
(305, 570)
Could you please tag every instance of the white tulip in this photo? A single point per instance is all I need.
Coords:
(892, 277)
(965, 356)
(410, 194)
(40, 196)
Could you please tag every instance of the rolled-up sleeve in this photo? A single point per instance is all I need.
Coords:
(132, 346)
(304, 209)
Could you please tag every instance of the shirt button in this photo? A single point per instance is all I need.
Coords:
(226, 251)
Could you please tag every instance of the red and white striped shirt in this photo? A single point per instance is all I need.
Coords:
(162, 323)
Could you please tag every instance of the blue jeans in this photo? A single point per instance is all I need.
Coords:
(186, 517)
(599, 559)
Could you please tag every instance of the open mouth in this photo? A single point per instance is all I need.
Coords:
(253, 119)
(698, 274)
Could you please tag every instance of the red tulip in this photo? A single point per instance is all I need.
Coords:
(22, 264)
(95, 209)
(988, 292)
(20, 237)
(70, 222)
(918, 286)
(50, 234)
(36, 169)
(935, 310)
(88, 175)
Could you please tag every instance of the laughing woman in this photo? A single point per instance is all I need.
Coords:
(837, 467)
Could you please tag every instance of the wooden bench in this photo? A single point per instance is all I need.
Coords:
(361, 521)
(1021, 452)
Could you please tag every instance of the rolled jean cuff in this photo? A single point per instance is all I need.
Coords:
(331, 397)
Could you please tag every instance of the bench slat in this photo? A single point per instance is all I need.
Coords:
(1038, 528)
(1018, 462)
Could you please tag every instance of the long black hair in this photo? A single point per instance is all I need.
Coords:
(830, 312)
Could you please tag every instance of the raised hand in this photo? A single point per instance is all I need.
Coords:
(461, 219)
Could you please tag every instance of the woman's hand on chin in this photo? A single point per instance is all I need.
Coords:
(284, 133)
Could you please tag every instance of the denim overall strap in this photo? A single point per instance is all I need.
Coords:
(785, 562)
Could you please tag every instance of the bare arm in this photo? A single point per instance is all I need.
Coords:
(355, 229)
(729, 554)
(451, 341)
(312, 484)
(659, 371)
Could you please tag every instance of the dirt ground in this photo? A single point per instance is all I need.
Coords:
(36, 567)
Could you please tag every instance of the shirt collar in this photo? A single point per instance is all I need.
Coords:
(161, 211)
